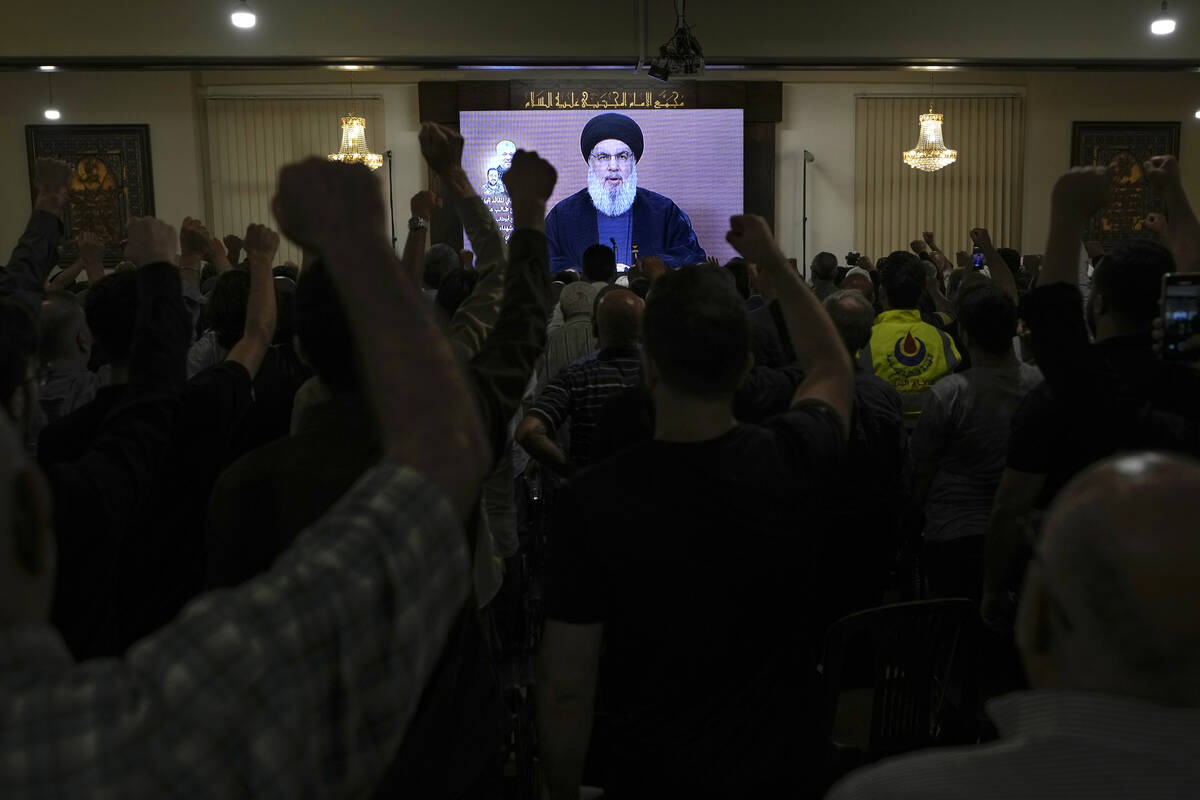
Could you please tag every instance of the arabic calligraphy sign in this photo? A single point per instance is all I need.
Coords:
(600, 97)
(1126, 145)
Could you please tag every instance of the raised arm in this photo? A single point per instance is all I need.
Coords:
(25, 276)
(261, 246)
(500, 371)
(427, 418)
(97, 495)
(1182, 229)
(413, 259)
(1001, 274)
(442, 148)
(819, 349)
(1077, 196)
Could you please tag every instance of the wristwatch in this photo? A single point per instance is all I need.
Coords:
(418, 224)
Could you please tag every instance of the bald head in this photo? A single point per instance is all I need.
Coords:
(858, 282)
(62, 329)
(853, 317)
(1122, 557)
(619, 318)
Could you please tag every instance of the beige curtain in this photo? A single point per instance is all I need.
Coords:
(249, 139)
(894, 203)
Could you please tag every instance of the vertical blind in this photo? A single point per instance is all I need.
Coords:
(249, 139)
(894, 203)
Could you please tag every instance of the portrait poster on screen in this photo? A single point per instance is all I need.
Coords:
(693, 158)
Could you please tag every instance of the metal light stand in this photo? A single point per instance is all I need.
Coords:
(808, 159)
(391, 199)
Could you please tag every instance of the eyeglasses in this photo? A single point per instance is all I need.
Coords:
(604, 159)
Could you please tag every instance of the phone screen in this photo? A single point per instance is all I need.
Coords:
(1181, 314)
(977, 258)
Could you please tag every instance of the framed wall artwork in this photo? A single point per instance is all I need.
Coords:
(1126, 145)
(112, 180)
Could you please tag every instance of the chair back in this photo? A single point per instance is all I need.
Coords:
(916, 650)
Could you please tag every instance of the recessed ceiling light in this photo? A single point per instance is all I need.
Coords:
(1164, 24)
(52, 113)
(242, 16)
(350, 67)
(1197, 115)
(48, 68)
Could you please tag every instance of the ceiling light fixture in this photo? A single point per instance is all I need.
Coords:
(51, 113)
(931, 153)
(1165, 24)
(1197, 115)
(48, 68)
(242, 16)
(354, 141)
(682, 53)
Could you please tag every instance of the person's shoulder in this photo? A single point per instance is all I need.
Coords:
(654, 199)
(873, 389)
(596, 485)
(1031, 376)
(570, 202)
(955, 383)
(943, 772)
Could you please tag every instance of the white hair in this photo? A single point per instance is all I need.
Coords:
(612, 204)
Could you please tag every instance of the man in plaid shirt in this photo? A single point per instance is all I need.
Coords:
(301, 682)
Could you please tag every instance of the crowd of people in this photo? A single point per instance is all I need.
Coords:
(448, 525)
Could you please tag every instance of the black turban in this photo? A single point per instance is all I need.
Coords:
(611, 126)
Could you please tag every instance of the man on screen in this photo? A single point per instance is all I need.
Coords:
(613, 210)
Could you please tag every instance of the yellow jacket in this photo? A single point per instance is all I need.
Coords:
(910, 354)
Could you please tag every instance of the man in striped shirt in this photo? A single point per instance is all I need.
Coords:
(1109, 632)
(577, 395)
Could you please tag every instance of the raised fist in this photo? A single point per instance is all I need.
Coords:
(53, 178)
(442, 147)
(751, 236)
(981, 238)
(423, 203)
(928, 237)
(261, 244)
(233, 246)
(319, 202)
(91, 247)
(150, 241)
(530, 179)
(194, 238)
(1162, 172)
(1081, 192)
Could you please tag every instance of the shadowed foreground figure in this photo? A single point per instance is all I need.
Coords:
(1109, 632)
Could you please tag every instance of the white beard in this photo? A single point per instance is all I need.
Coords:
(612, 204)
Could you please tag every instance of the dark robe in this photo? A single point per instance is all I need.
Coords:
(660, 229)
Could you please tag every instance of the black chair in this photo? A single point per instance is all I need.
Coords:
(898, 678)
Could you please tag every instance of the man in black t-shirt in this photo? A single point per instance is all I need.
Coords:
(691, 556)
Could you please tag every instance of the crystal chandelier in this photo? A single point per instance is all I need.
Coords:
(931, 153)
(354, 144)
